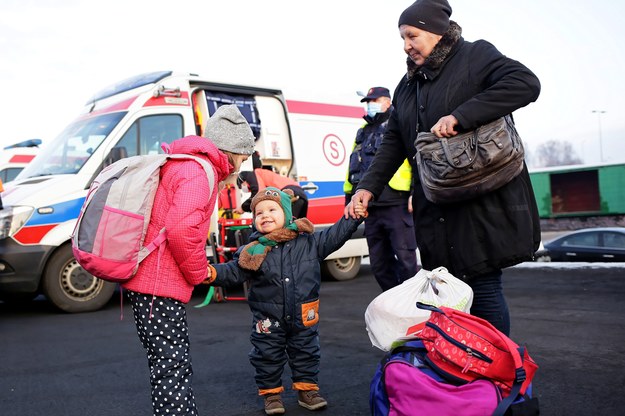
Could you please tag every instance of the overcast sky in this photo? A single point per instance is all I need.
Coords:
(54, 54)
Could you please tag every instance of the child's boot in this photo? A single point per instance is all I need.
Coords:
(273, 404)
(311, 399)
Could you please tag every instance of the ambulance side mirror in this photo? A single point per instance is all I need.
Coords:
(116, 153)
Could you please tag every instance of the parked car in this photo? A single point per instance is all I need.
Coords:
(588, 244)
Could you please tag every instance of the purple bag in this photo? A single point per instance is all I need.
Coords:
(413, 392)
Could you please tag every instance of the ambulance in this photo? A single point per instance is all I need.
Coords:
(14, 158)
(307, 141)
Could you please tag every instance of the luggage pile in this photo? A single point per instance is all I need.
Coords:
(450, 362)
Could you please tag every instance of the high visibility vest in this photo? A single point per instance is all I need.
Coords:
(400, 181)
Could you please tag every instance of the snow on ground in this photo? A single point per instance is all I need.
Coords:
(569, 265)
(555, 265)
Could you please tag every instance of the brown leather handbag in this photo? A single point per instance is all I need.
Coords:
(470, 164)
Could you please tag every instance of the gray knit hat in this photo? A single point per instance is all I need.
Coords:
(429, 15)
(229, 131)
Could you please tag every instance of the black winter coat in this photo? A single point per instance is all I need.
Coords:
(290, 275)
(477, 84)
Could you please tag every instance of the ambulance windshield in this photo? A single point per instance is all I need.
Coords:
(73, 147)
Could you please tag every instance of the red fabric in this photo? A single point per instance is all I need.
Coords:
(183, 204)
(266, 177)
(454, 339)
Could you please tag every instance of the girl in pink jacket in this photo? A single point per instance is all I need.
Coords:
(183, 204)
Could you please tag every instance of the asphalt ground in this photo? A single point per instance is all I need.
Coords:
(54, 364)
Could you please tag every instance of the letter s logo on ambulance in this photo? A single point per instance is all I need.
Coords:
(333, 150)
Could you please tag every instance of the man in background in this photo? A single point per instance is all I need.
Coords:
(389, 227)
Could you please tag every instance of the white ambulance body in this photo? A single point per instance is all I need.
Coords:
(14, 158)
(307, 141)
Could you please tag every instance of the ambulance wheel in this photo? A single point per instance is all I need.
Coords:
(341, 269)
(70, 288)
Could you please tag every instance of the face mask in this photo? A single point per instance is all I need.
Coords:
(245, 189)
(373, 108)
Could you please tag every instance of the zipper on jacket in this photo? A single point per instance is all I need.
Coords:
(470, 351)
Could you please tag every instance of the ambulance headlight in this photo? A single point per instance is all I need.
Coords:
(12, 219)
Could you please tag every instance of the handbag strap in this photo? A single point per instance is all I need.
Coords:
(418, 93)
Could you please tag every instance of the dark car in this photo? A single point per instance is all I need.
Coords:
(588, 244)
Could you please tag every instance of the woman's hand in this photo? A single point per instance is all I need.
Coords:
(362, 196)
(445, 127)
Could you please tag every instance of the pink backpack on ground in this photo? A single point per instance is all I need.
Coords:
(108, 240)
(414, 392)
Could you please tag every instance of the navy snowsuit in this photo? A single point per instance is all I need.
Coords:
(284, 299)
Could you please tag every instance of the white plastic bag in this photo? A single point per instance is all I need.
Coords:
(393, 315)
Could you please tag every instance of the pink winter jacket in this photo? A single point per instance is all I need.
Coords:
(183, 205)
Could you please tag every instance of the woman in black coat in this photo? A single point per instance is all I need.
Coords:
(453, 86)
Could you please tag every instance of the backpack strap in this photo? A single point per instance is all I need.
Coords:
(158, 240)
(162, 235)
(210, 174)
(519, 378)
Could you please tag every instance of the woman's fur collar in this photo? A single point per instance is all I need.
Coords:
(440, 51)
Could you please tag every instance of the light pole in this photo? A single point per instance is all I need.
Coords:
(599, 112)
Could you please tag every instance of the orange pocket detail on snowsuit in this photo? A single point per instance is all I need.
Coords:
(310, 313)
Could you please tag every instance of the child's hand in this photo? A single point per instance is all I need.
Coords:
(360, 210)
(211, 274)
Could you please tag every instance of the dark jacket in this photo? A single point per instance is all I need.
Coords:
(477, 84)
(368, 140)
(290, 275)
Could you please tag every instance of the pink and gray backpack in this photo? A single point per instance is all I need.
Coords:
(108, 240)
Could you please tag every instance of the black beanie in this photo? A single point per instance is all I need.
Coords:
(429, 15)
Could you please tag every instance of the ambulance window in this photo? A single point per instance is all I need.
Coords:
(147, 134)
(9, 174)
(73, 147)
(245, 103)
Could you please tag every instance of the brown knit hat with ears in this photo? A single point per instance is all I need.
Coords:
(282, 198)
(429, 15)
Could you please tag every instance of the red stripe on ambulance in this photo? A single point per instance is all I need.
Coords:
(120, 106)
(21, 158)
(33, 234)
(325, 210)
(321, 109)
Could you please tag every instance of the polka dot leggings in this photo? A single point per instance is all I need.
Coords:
(165, 337)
